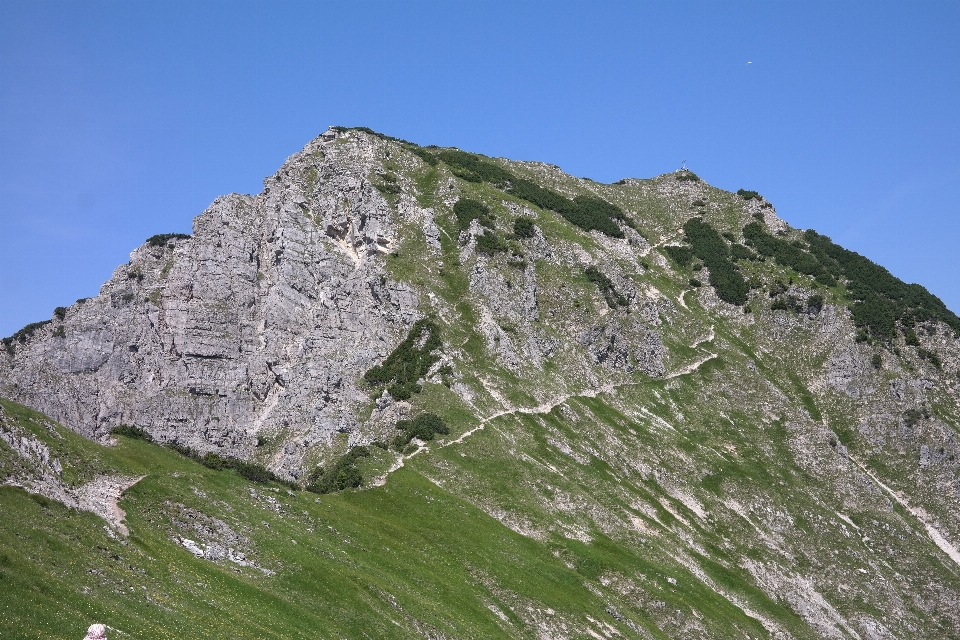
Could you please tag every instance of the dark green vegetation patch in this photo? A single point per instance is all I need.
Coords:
(709, 246)
(880, 300)
(587, 212)
(613, 297)
(682, 256)
(249, 470)
(523, 227)
(409, 362)
(340, 474)
(23, 335)
(425, 427)
(467, 210)
(687, 176)
(130, 431)
(491, 242)
(787, 253)
(162, 239)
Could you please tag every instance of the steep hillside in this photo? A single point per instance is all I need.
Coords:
(645, 409)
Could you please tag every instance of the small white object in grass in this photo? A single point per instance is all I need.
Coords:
(96, 632)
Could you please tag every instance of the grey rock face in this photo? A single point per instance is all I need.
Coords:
(260, 323)
(631, 349)
(250, 338)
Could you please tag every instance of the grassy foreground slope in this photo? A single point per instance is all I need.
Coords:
(402, 560)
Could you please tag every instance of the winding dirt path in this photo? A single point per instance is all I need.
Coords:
(100, 496)
(690, 368)
(708, 338)
(546, 407)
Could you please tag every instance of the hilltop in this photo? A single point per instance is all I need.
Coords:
(413, 391)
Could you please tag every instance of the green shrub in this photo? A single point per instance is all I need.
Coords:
(408, 363)
(473, 168)
(934, 359)
(782, 251)
(523, 227)
(815, 304)
(588, 213)
(388, 188)
(377, 134)
(910, 337)
(787, 303)
(710, 247)
(682, 256)
(911, 417)
(490, 243)
(610, 294)
(695, 283)
(687, 176)
(60, 332)
(595, 214)
(749, 195)
(425, 155)
(699, 203)
(60, 313)
(467, 210)
(41, 500)
(130, 431)
(183, 450)
(249, 470)
(705, 241)
(424, 427)
(881, 299)
(740, 252)
(162, 239)
(339, 475)
(24, 334)
(876, 361)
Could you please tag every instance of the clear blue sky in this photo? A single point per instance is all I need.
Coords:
(119, 120)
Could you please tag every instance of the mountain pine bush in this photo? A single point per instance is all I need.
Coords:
(408, 362)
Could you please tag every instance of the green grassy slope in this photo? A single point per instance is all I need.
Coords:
(393, 561)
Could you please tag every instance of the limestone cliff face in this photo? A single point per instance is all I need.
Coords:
(258, 328)
(260, 323)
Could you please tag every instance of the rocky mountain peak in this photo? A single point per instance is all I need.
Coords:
(704, 422)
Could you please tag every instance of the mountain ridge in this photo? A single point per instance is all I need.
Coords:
(650, 371)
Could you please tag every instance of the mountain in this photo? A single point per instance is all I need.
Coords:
(412, 391)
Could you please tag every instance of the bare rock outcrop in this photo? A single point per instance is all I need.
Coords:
(260, 323)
